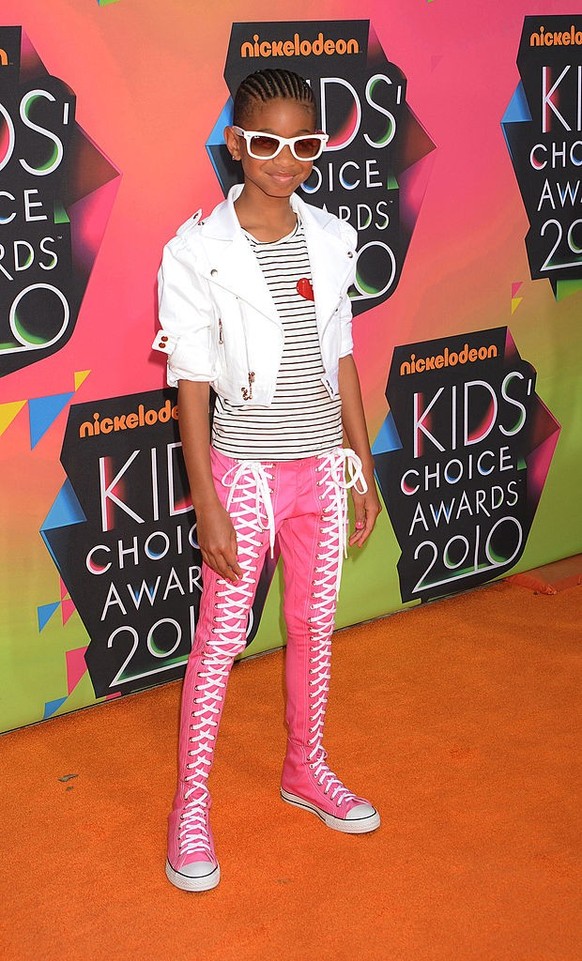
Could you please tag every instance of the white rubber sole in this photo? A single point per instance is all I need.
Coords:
(353, 826)
(186, 883)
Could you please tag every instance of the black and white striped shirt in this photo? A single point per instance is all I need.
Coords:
(302, 420)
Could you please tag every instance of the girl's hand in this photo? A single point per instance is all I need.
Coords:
(217, 541)
(367, 507)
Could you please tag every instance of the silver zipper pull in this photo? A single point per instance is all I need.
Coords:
(220, 337)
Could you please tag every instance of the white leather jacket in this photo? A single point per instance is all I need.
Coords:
(219, 323)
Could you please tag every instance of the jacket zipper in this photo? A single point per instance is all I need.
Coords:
(247, 392)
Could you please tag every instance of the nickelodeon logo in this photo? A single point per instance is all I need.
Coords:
(556, 38)
(448, 358)
(141, 417)
(298, 47)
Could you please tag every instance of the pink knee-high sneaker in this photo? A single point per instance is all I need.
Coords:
(192, 864)
(307, 782)
(220, 635)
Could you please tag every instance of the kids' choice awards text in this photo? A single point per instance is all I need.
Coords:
(460, 463)
(543, 129)
(130, 560)
(37, 302)
(127, 551)
(48, 237)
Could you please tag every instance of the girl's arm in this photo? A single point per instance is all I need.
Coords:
(216, 535)
(367, 506)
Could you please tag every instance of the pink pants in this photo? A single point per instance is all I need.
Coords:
(302, 504)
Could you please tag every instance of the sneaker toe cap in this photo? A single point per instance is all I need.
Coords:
(198, 869)
(361, 811)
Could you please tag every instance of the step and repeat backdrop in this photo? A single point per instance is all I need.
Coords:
(455, 151)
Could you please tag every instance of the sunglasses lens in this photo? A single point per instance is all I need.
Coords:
(263, 146)
(307, 148)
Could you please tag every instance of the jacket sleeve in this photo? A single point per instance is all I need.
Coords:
(350, 236)
(186, 315)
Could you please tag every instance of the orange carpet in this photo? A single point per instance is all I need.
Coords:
(461, 720)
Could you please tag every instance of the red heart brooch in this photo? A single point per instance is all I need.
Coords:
(304, 288)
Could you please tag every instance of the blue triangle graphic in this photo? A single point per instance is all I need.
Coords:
(225, 119)
(43, 411)
(387, 438)
(52, 706)
(517, 110)
(217, 133)
(65, 511)
(44, 614)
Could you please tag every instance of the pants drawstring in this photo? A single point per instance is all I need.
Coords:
(255, 472)
(336, 463)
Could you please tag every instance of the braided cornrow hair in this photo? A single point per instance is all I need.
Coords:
(269, 84)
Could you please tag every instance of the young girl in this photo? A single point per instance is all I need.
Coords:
(253, 302)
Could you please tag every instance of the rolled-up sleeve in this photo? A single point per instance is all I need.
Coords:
(346, 340)
(186, 317)
(346, 343)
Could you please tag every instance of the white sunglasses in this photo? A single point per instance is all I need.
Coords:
(266, 146)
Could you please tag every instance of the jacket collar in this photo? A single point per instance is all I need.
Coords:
(223, 224)
(233, 265)
(231, 262)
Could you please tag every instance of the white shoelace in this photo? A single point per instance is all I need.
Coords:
(250, 500)
(329, 781)
(320, 671)
(212, 679)
(248, 480)
(335, 464)
(332, 550)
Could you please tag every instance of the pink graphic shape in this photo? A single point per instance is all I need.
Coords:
(31, 66)
(546, 434)
(89, 214)
(67, 608)
(413, 183)
(510, 348)
(76, 667)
